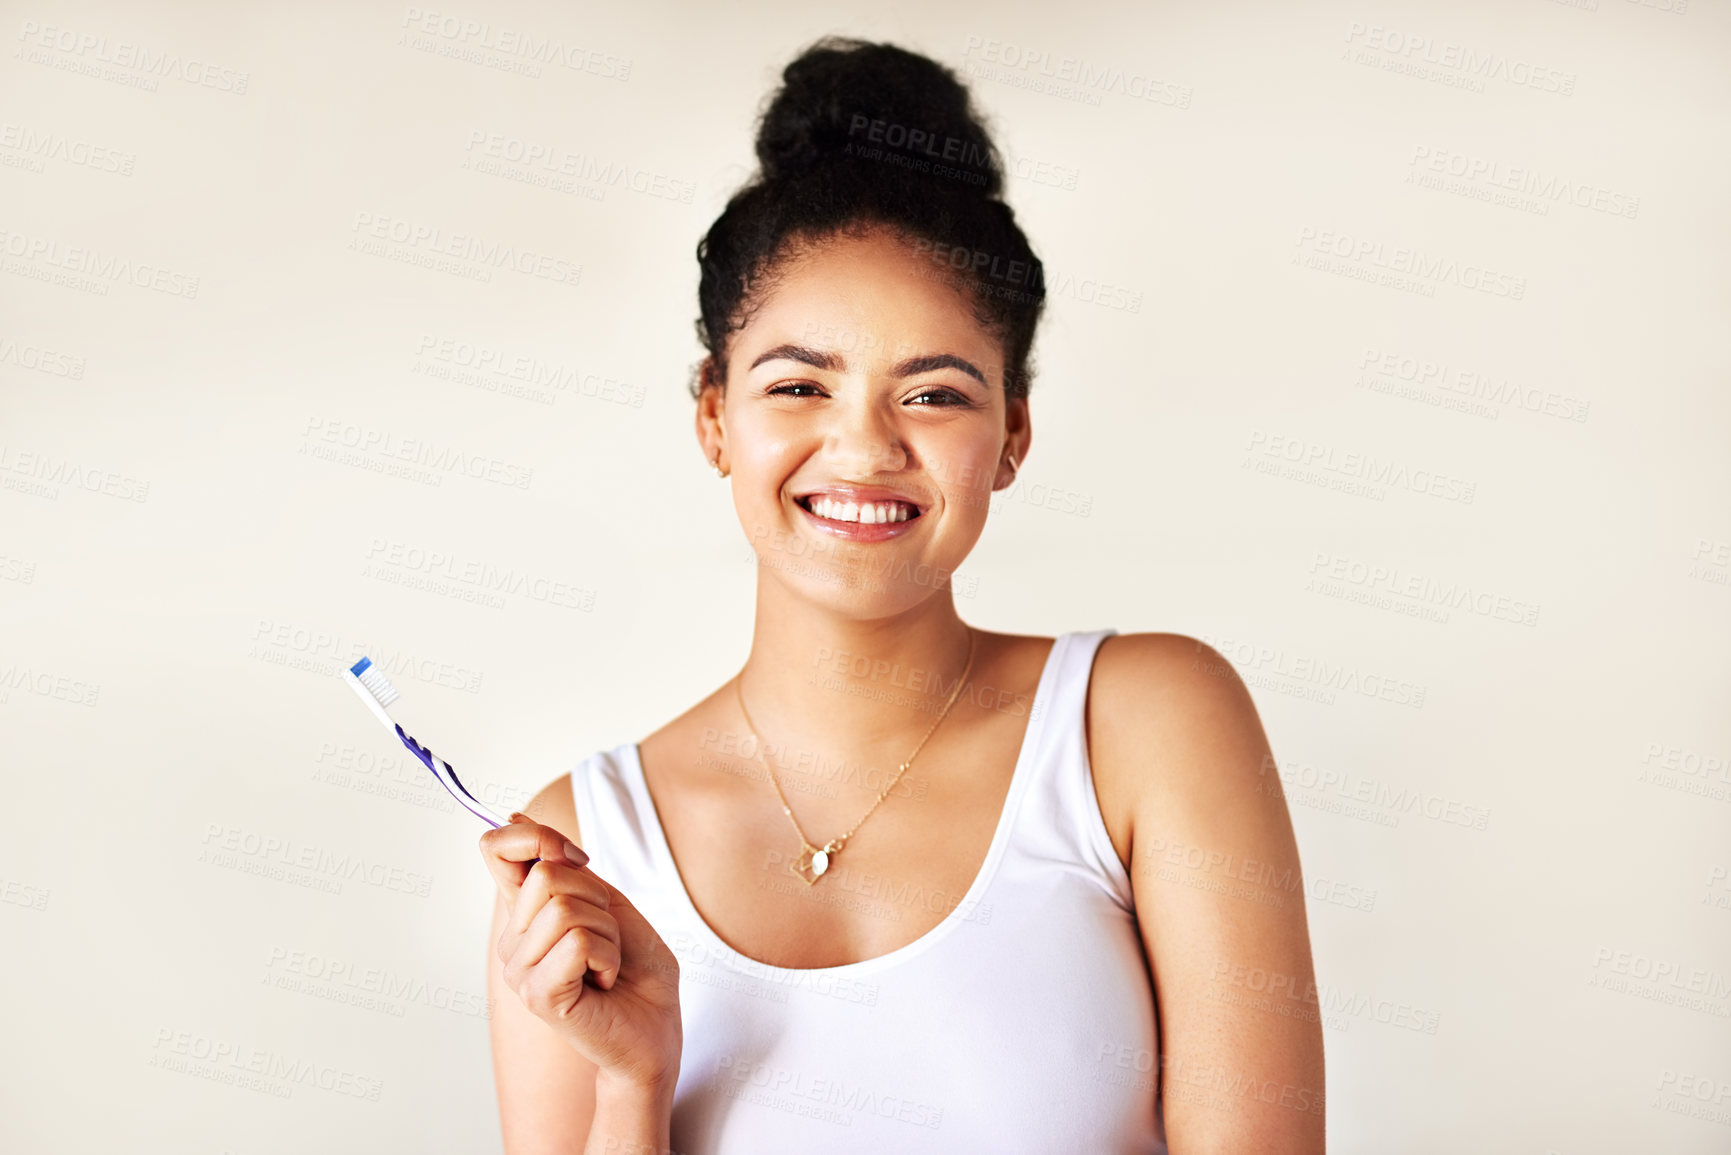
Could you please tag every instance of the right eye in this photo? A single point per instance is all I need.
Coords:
(787, 390)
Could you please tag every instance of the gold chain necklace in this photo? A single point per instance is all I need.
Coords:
(814, 860)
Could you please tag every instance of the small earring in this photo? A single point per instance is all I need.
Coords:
(1011, 458)
(716, 462)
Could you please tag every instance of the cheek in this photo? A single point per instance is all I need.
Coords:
(761, 447)
(963, 467)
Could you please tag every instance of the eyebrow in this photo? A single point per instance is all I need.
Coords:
(819, 359)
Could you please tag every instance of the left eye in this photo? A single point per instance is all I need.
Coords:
(943, 396)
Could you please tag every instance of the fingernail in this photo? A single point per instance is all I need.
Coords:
(516, 814)
(574, 854)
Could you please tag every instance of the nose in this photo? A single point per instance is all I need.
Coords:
(863, 439)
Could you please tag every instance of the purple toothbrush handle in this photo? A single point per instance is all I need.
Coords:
(461, 792)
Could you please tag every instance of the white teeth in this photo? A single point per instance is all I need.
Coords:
(868, 513)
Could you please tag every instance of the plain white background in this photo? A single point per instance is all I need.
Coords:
(1385, 353)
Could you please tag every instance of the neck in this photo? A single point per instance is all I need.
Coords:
(823, 685)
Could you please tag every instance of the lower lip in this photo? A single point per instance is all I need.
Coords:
(859, 531)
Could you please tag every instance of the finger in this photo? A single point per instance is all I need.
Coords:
(597, 955)
(509, 851)
(522, 839)
(563, 914)
(546, 879)
(553, 989)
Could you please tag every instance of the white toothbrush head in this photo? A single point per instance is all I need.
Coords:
(374, 689)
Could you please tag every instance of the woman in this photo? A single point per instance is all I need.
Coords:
(901, 885)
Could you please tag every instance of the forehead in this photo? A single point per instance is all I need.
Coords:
(874, 297)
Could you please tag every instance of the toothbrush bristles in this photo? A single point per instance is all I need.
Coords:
(376, 683)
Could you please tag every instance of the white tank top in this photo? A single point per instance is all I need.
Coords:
(1024, 1022)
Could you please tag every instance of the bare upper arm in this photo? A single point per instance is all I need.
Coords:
(1219, 896)
(546, 1088)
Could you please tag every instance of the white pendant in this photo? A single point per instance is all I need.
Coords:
(819, 862)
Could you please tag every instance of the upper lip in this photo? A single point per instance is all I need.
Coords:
(860, 495)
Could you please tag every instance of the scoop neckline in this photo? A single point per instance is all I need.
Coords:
(1019, 778)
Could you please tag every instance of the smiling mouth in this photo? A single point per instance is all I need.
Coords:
(859, 513)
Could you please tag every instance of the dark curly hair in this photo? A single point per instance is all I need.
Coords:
(863, 134)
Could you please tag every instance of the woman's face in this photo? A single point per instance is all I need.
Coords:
(865, 425)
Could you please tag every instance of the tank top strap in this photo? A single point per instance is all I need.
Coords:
(615, 818)
(1060, 819)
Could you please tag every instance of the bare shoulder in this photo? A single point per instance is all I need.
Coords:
(1215, 872)
(553, 806)
(1168, 716)
(1132, 666)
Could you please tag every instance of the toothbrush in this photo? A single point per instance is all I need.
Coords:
(377, 693)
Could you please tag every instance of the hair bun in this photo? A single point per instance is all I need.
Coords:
(845, 100)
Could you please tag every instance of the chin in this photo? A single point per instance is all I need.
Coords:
(858, 584)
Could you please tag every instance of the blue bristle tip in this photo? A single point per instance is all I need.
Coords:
(360, 667)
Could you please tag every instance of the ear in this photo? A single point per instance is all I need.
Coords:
(711, 402)
(1018, 436)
